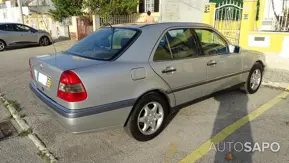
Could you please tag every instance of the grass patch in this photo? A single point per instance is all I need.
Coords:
(25, 133)
(43, 156)
(6, 105)
(15, 104)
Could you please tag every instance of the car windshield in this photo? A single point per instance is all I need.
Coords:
(104, 44)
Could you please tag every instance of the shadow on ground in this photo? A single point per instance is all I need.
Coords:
(232, 148)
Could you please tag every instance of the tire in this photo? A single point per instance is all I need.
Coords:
(248, 86)
(44, 41)
(157, 119)
(2, 45)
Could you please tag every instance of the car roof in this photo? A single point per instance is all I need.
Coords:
(2, 23)
(157, 25)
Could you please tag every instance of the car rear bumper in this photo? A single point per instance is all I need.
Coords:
(89, 119)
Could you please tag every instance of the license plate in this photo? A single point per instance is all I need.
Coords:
(43, 79)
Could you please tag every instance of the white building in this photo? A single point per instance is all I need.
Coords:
(10, 13)
(175, 10)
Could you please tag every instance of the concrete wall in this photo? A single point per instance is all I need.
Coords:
(269, 42)
(44, 22)
(182, 11)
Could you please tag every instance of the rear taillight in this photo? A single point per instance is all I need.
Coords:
(70, 87)
(30, 68)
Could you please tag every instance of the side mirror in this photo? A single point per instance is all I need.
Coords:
(33, 30)
(234, 49)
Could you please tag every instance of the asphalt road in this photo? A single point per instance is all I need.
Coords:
(187, 131)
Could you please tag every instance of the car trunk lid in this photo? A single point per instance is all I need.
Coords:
(47, 70)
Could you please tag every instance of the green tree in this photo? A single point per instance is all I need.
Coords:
(66, 8)
(111, 7)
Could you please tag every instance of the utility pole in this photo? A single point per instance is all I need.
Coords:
(20, 11)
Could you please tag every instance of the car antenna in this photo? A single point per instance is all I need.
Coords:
(109, 25)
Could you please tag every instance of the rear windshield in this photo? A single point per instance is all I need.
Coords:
(105, 44)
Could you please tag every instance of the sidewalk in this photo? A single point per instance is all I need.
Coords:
(63, 45)
(275, 61)
(277, 70)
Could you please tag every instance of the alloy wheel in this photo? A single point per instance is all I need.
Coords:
(44, 41)
(2, 46)
(150, 118)
(255, 80)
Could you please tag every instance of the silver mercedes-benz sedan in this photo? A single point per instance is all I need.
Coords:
(14, 34)
(135, 75)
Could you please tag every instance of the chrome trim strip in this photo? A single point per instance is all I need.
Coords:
(75, 113)
(204, 82)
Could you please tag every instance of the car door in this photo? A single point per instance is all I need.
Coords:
(25, 34)
(223, 68)
(178, 61)
(8, 34)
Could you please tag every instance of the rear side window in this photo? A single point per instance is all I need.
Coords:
(7, 27)
(104, 44)
(163, 51)
(3, 27)
(177, 44)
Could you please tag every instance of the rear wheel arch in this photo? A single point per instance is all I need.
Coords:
(161, 93)
(3, 46)
(4, 42)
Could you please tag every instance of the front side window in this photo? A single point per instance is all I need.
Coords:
(177, 44)
(21, 28)
(104, 44)
(211, 42)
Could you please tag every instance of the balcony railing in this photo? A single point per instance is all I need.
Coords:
(279, 22)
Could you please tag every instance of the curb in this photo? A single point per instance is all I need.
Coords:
(25, 127)
(4, 114)
(276, 85)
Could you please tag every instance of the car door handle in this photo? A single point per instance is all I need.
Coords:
(212, 63)
(169, 69)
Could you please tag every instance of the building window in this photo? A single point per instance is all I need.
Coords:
(149, 5)
(157, 5)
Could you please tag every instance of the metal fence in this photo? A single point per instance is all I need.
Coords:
(282, 20)
(276, 16)
(228, 16)
(121, 19)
